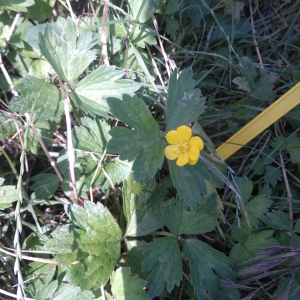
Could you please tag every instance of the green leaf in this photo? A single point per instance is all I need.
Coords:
(42, 280)
(197, 129)
(8, 194)
(293, 143)
(142, 144)
(163, 256)
(243, 83)
(236, 8)
(45, 185)
(4, 33)
(179, 220)
(189, 182)
(242, 252)
(117, 170)
(257, 207)
(5, 86)
(265, 86)
(17, 5)
(203, 261)
(245, 188)
(147, 10)
(92, 92)
(39, 68)
(124, 286)
(185, 103)
(172, 27)
(81, 184)
(136, 256)
(294, 155)
(92, 136)
(195, 10)
(279, 140)
(32, 35)
(240, 230)
(43, 95)
(59, 291)
(28, 51)
(8, 125)
(239, 30)
(297, 226)
(33, 142)
(72, 293)
(18, 37)
(173, 6)
(277, 220)
(247, 67)
(41, 10)
(144, 212)
(48, 291)
(96, 243)
(141, 35)
(68, 55)
(21, 64)
(273, 175)
(128, 60)
(219, 167)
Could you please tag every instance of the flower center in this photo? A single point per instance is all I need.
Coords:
(183, 147)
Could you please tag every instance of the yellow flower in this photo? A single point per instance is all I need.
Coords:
(183, 146)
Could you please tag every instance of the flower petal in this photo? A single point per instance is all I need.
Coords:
(194, 152)
(185, 131)
(173, 137)
(193, 162)
(183, 159)
(196, 141)
(171, 152)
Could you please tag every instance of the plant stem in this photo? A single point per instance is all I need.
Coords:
(71, 156)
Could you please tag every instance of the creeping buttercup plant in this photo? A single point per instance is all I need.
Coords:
(126, 200)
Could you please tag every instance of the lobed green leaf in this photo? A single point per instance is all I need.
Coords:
(185, 103)
(124, 286)
(45, 96)
(203, 261)
(92, 92)
(180, 220)
(143, 212)
(68, 55)
(96, 243)
(163, 256)
(142, 144)
(189, 182)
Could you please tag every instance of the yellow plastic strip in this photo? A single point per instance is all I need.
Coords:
(265, 119)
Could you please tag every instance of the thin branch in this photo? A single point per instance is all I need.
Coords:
(6, 75)
(71, 156)
(155, 66)
(162, 47)
(288, 191)
(12, 27)
(13, 295)
(31, 258)
(71, 12)
(103, 292)
(254, 38)
(104, 36)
